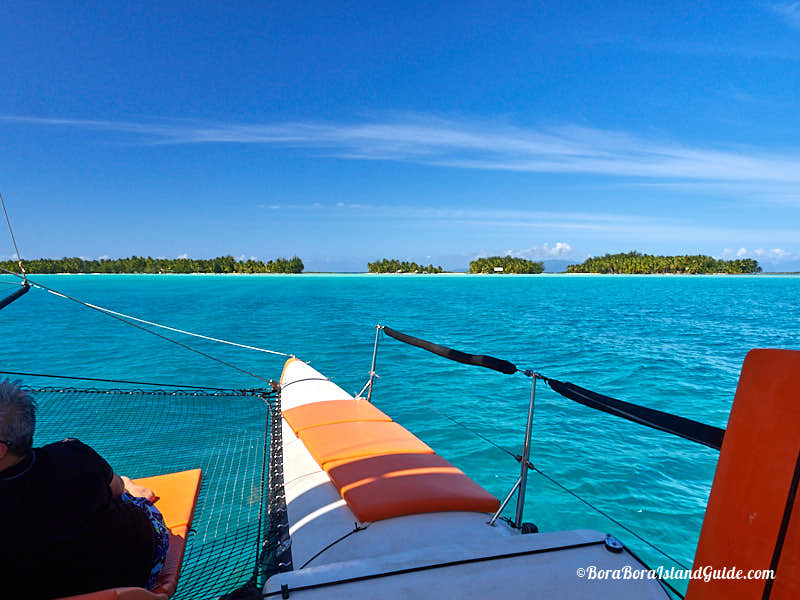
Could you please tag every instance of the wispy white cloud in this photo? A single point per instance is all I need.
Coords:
(768, 254)
(631, 228)
(545, 250)
(482, 217)
(478, 144)
(754, 192)
(184, 255)
(627, 226)
(788, 11)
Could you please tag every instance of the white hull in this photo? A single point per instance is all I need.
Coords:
(436, 555)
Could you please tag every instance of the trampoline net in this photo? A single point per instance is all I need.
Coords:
(143, 433)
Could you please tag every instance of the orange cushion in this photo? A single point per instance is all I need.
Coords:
(360, 438)
(332, 411)
(393, 485)
(177, 495)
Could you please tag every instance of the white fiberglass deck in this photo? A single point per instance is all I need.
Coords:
(437, 555)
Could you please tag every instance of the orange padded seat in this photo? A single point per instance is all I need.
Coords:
(380, 468)
(750, 504)
(339, 441)
(393, 485)
(176, 495)
(330, 412)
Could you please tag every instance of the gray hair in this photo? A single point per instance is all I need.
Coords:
(17, 417)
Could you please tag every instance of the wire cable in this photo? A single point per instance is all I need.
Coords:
(610, 518)
(13, 239)
(197, 335)
(131, 323)
(478, 434)
(193, 387)
(175, 329)
(356, 529)
(533, 467)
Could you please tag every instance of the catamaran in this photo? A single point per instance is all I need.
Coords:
(317, 494)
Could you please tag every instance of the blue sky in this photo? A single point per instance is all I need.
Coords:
(345, 132)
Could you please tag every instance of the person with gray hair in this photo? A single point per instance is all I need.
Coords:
(70, 524)
(17, 422)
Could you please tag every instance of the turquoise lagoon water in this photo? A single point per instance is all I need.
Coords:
(671, 343)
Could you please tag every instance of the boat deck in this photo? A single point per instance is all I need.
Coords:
(453, 554)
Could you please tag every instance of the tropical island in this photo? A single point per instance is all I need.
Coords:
(505, 264)
(139, 264)
(386, 265)
(634, 263)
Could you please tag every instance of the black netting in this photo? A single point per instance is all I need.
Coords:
(143, 433)
(276, 554)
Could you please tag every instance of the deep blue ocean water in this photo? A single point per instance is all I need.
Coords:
(671, 343)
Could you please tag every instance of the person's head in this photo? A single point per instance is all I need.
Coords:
(17, 420)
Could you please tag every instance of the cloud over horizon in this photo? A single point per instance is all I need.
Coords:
(545, 251)
(482, 145)
(773, 255)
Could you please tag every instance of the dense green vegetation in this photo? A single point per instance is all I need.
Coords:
(396, 266)
(139, 264)
(636, 263)
(509, 264)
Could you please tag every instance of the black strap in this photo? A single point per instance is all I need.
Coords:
(694, 431)
(479, 360)
(787, 514)
(20, 292)
(454, 563)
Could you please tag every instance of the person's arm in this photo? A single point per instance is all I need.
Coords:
(96, 471)
(120, 484)
(117, 486)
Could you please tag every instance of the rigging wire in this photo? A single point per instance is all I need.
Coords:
(609, 517)
(175, 329)
(533, 467)
(197, 335)
(13, 239)
(193, 387)
(516, 457)
(356, 529)
(133, 324)
(285, 385)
